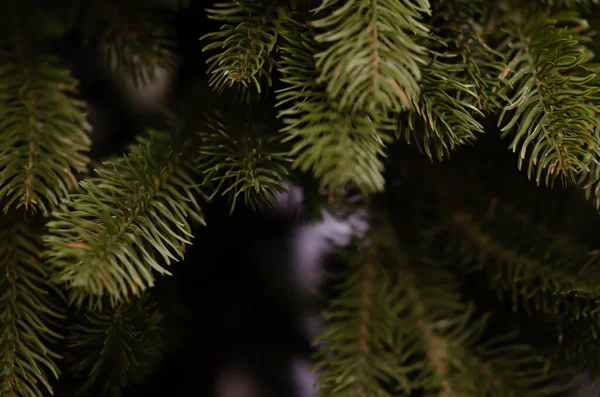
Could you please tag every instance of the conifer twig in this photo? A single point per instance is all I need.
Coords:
(372, 57)
(245, 42)
(43, 132)
(133, 218)
(548, 109)
(341, 148)
(242, 162)
(117, 347)
(133, 41)
(29, 311)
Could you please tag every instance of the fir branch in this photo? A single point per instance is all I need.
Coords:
(408, 330)
(43, 132)
(577, 341)
(341, 148)
(459, 359)
(133, 41)
(540, 271)
(29, 313)
(373, 58)
(589, 179)
(131, 219)
(444, 117)
(242, 164)
(463, 25)
(246, 42)
(356, 349)
(550, 108)
(117, 347)
(590, 182)
(447, 334)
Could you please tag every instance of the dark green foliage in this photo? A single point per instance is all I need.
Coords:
(550, 121)
(590, 181)
(535, 267)
(444, 118)
(358, 351)
(341, 148)
(117, 347)
(421, 307)
(406, 330)
(245, 42)
(243, 162)
(463, 26)
(530, 265)
(134, 41)
(43, 132)
(29, 319)
(577, 345)
(372, 57)
(131, 219)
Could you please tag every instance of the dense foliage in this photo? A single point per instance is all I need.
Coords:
(467, 131)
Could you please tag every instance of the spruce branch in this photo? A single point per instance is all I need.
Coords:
(590, 182)
(356, 349)
(407, 330)
(444, 117)
(341, 148)
(458, 360)
(29, 312)
(43, 132)
(245, 41)
(540, 270)
(131, 219)
(463, 25)
(134, 41)
(589, 179)
(462, 357)
(373, 58)
(549, 108)
(577, 341)
(246, 162)
(117, 347)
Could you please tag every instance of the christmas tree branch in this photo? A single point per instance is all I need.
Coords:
(356, 349)
(552, 274)
(247, 161)
(463, 25)
(43, 131)
(134, 39)
(372, 58)
(341, 148)
(409, 330)
(131, 219)
(549, 107)
(117, 347)
(450, 333)
(28, 314)
(444, 117)
(246, 42)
